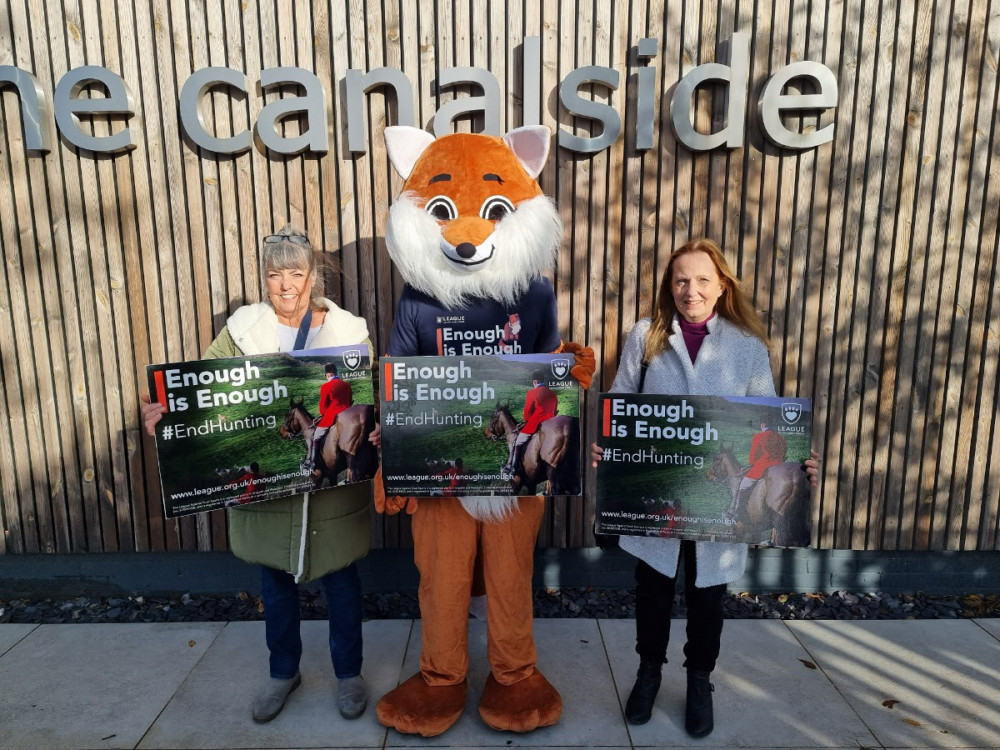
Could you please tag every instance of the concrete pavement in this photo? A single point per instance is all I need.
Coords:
(779, 684)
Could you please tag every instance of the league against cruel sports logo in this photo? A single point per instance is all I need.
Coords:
(560, 368)
(352, 359)
(791, 412)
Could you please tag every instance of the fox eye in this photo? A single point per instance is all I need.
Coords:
(442, 208)
(496, 207)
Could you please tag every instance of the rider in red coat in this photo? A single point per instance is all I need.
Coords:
(334, 396)
(767, 449)
(541, 403)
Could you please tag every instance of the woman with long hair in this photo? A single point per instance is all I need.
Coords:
(704, 338)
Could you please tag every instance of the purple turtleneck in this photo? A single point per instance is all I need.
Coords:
(694, 334)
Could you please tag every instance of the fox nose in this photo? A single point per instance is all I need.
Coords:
(467, 230)
(466, 250)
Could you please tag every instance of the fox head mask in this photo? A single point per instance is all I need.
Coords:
(471, 220)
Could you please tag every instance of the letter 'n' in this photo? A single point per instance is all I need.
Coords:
(35, 112)
(357, 85)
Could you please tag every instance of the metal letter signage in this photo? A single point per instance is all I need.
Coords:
(581, 107)
(644, 114)
(313, 105)
(310, 107)
(773, 101)
(69, 107)
(357, 85)
(488, 103)
(735, 75)
(36, 117)
(194, 89)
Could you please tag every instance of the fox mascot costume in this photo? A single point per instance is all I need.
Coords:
(471, 235)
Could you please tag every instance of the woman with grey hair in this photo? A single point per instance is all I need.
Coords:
(317, 536)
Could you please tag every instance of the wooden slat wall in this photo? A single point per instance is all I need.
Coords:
(874, 258)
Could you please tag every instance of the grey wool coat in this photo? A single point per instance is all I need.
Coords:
(731, 362)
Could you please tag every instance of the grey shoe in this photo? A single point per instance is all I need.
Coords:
(352, 696)
(272, 698)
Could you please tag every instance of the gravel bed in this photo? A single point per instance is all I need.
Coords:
(566, 602)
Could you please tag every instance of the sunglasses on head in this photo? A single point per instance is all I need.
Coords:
(298, 239)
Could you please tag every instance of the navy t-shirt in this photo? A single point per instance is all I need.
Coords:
(425, 327)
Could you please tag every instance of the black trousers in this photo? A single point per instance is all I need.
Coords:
(654, 602)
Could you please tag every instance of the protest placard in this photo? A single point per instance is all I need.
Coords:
(725, 469)
(238, 430)
(450, 425)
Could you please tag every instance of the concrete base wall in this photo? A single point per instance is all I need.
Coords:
(768, 571)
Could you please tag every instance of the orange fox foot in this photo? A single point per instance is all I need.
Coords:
(521, 707)
(418, 708)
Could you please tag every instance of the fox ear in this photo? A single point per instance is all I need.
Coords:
(404, 145)
(530, 145)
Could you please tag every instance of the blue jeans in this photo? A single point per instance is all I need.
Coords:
(280, 593)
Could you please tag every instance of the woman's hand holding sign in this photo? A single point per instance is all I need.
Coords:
(152, 413)
(596, 454)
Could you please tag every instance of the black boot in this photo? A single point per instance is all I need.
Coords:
(639, 707)
(517, 459)
(739, 503)
(309, 461)
(698, 719)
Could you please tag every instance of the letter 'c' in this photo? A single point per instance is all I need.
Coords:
(194, 89)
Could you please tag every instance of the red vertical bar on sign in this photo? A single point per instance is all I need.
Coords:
(440, 342)
(606, 430)
(161, 389)
(387, 380)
